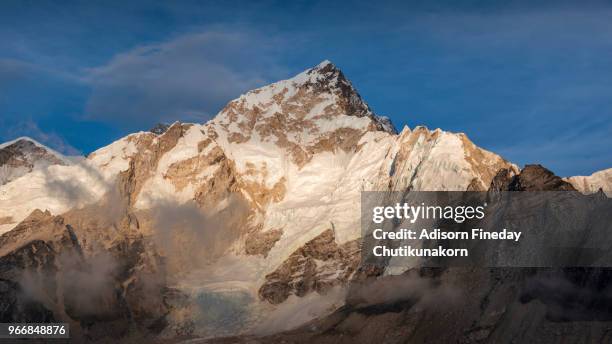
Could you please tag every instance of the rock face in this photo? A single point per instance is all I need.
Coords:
(317, 266)
(262, 243)
(316, 111)
(250, 213)
(21, 156)
(54, 272)
(531, 178)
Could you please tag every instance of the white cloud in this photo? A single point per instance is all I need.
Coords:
(188, 78)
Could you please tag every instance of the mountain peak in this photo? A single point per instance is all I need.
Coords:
(21, 140)
(25, 143)
(324, 63)
(316, 110)
(20, 156)
(327, 77)
(313, 103)
(325, 67)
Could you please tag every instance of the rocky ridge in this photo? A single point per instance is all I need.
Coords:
(601, 180)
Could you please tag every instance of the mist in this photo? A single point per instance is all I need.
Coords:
(409, 287)
(190, 237)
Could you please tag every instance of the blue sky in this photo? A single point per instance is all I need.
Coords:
(528, 80)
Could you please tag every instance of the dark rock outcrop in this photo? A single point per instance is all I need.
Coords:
(261, 242)
(531, 178)
(317, 266)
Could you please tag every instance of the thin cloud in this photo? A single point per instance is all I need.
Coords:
(29, 128)
(188, 78)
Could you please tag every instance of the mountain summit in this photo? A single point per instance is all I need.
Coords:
(21, 156)
(313, 106)
(319, 92)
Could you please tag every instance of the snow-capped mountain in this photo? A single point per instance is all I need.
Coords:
(256, 212)
(21, 156)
